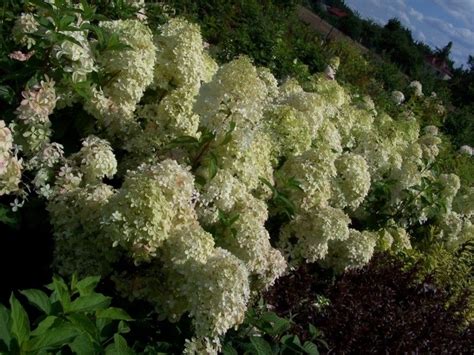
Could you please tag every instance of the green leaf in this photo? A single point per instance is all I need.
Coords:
(200, 180)
(291, 341)
(7, 94)
(44, 325)
(42, 4)
(267, 183)
(39, 299)
(311, 348)
(262, 347)
(5, 217)
(184, 140)
(228, 135)
(82, 88)
(63, 37)
(313, 330)
(65, 21)
(89, 303)
(61, 291)
(114, 44)
(123, 327)
(119, 347)
(82, 322)
(20, 323)
(54, 338)
(74, 281)
(5, 335)
(228, 349)
(87, 285)
(113, 313)
(277, 324)
(82, 344)
(212, 165)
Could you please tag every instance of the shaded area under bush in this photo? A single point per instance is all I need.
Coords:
(376, 309)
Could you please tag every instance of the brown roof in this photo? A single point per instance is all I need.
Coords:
(337, 12)
(438, 64)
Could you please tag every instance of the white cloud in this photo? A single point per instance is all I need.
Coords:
(460, 9)
(434, 31)
(415, 14)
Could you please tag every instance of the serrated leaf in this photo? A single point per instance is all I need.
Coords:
(20, 324)
(89, 303)
(119, 347)
(87, 285)
(262, 347)
(5, 335)
(113, 313)
(39, 299)
(310, 348)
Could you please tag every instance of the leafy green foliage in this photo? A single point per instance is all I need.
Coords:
(73, 316)
(280, 201)
(451, 270)
(265, 333)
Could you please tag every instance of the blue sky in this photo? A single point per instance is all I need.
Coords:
(435, 22)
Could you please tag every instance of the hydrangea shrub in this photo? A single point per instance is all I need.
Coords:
(175, 180)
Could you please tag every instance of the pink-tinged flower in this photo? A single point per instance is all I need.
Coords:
(20, 56)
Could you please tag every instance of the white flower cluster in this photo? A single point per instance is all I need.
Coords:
(43, 164)
(352, 183)
(466, 150)
(130, 71)
(24, 26)
(80, 58)
(10, 166)
(181, 57)
(182, 64)
(398, 97)
(416, 87)
(96, 159)
(313, 230)
(34, 127)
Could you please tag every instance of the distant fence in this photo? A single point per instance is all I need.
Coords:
(324, 28)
